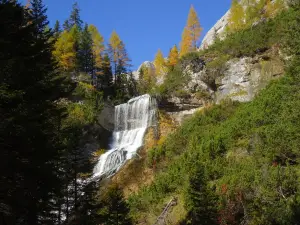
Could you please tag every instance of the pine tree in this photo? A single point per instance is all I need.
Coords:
(67, 26)
(236, 16)
(85, 54)
(199, 199)
(29, 143)
(38, 13)
(56, 29)
(173, 56)
(90, 205)
(115, 210)
(106, 78)
(75, 17)
(159, 63)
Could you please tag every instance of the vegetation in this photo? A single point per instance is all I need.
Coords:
(241, 161)
(160, 64)
(115, 210)
(173, 57)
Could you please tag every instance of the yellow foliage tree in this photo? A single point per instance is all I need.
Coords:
(191, 33)
(118, 54)
(193, 25)
(173, 56)
(65, 52)
(147, 79)
(98, 45)
(159, 63)
(186, 43)
(253, 12)
(115, 44)
(273, 7)
(236, 17)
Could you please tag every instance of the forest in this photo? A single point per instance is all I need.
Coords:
(231, 163)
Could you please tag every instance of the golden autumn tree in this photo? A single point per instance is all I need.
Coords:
(98, 46)
(236, 16)
(159, 63)
(193, 25)
(147, 79)
(65, 51)
(173, 56)
(118, 55)
(191, 33)
(186, 42)
(114, 46)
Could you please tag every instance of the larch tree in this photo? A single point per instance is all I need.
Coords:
(186, 42)
(236, 16)
(64, 51)
(173, 56)
(98, 48)
(114, 46)
(253, 12)
(191, 32)
(147, 79)
(159, 63)
(194, 26)
(118, 54)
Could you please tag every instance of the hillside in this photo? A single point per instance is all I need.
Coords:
(233, 163)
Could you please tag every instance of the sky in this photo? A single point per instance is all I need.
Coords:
(144, 26)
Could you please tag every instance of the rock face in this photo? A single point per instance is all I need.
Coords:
(245, 77)
(216, 31)
(180, 116)
(240, 80)
(106, 117)
(146, 64)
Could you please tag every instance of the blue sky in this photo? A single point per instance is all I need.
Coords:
(143, 25)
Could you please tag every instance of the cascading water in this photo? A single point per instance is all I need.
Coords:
(131, 122)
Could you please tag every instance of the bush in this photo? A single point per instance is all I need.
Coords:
(174, 81)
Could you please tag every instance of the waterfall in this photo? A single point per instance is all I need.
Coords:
(131, 122)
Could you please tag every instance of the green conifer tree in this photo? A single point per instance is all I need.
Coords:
(86, 58)
(75, 17)
(200, 200)
(115, 210)
(57, 29)
(30, 143)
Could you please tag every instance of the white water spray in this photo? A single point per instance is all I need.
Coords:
(131, 122)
